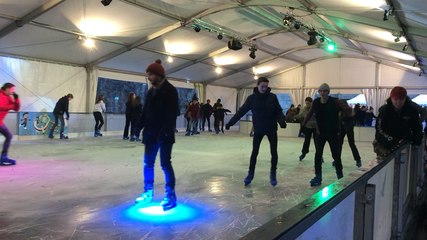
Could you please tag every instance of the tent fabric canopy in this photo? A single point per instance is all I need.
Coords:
(128, 35)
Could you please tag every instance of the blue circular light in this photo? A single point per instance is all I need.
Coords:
(154, 213)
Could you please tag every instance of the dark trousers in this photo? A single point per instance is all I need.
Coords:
(99, 120)
(60, 118)
(150, 154)
(350, 138)
(257, 139)
(6, 133)
(206, 119)
(127, 125)
(308, 133)
(334, 145)
(135, 128)
(217, 123)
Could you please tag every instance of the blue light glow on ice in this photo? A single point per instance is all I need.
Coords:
(154, 213)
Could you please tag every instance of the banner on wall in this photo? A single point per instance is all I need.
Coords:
(36, 123)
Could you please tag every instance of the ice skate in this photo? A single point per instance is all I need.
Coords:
(249, 178)
(316, 181)
(169, 201)
(5, 161)
(145, 198)
(273, 179)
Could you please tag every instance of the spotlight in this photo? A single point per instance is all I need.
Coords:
(287, 20)
(312, 40)
(331, 47)
(170, 59)
(385, 17)
(322, 39)
(196, 28)
(234, 44)
(252, 54)
(220, 36)
(106, 2)
(255, 77)
(297, 25)
(397, 39)
(405, 47)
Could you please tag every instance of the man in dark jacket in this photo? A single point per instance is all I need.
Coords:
(398, 121)
(159, 115)
(266, 112)
(206, 112)
(326, 110)
(60, 109)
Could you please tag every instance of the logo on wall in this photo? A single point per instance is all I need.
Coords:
(35, 123)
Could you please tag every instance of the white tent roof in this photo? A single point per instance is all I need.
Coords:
(130, 34)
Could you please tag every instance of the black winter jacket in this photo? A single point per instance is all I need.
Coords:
(393, 127)
(159, 114)
(266, 112)
(61, 107)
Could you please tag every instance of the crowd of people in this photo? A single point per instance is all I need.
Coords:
(326, 119)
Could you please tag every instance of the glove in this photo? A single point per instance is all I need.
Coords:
(282, 124)
(227, 127)
(15, 96)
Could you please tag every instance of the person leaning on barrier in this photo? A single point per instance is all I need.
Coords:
(398, 122)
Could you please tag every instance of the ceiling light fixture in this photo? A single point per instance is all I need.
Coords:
(170, 59)
(234, 44)
(397, 39)
(219, 36)
(297, 25)
(255, 77)
(253, 49)
(287, 20)
(331, 47)
(218, 70)
(196, 28)
(88, 42)
(106, 2)
(312, 40)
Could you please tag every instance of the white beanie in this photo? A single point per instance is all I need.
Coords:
(325, 86)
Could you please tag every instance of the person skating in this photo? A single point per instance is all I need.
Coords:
(60, 109)
(326, 110)
(128, 118)
(219, 116)
(9, 100)
(347, 128)
(398, 121)
(309, 129)
(267, 112)
(97, 114)
(159, 116)
(193, 112)
(135, 116)
(207, 111)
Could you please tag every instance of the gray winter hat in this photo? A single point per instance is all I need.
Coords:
(325, 87)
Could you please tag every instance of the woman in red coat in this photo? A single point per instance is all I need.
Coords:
(9, 100)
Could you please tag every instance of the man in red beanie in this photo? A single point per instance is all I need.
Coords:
(398, 121)
(9, 100)
(159, 115)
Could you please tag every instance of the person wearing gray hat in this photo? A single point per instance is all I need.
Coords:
(326, 110)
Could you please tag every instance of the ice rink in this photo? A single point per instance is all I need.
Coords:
(84, 188)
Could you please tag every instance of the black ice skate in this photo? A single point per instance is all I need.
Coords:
(169, 201)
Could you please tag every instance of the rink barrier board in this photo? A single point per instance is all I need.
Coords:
(382, 203)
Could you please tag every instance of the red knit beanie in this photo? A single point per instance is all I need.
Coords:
(398, 93)
(156, 68)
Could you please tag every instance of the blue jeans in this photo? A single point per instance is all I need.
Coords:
(150, 154)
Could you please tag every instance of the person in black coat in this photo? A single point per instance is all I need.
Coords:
(326, 110)
(398, 121)
(129, 101)
(135, 116)
(219, 116)
(206, 112)
(266, 112)
(60, 109)
(161, 109)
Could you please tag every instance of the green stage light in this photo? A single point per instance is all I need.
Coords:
(331, 47)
